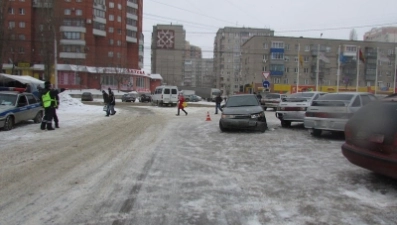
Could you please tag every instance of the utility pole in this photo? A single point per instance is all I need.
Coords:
(317, 66)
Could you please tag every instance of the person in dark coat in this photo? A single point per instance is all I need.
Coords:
(48, 101)
(111, 104)
(57, 102)
(105, 97)
(218, 101)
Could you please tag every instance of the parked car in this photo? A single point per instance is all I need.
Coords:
(371, 137)
(332, 111)
(145, 98)
(87, 96)
(242, 112)
(16, 107)
(271, 100)
(293, 108)
(193, 98)
(129, 97)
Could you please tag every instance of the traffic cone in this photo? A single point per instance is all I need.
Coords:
(208, 117)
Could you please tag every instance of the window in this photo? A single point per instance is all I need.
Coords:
(119, 6)
(118, 18)
(21, 50)
(119, 31)
(286, 58)
(79, 12)
(286, 47)
(276, 80)
(111, 41)
(286, 81)
(131, 22)
(10, 10)
(21, 11)
(119, 43)
(99, 13)
(277, 44)
(111, 17)
(277, 55)
(350, 48)
(67, 12)
(306, 58)
(31, 99)
(295, 70)
(307, 48)
(72, 35)
(264, 59)
(388, 85)
(356, 102)
(118, 55)
(111, 4)
(21, 37)
(286, 69)
(111, 29)
(110, 54)
(131, 10)
(265, 46)
(11, 24)
(22, 24)
(306, 70)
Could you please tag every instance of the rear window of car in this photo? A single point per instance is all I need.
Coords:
(174, 91)
(273, 96)
(236, 101)
(340, 97)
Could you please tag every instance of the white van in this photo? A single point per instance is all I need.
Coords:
(165, 95)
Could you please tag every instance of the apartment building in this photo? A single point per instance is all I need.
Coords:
(382, 34)
(279, 57)
(168, 53)
(227, 55)
(95, 42)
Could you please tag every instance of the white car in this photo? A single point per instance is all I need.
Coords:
(293, 108)
(332, 111)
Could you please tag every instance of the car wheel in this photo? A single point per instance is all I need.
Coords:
(9, 123)
(316, 132)
(264, 108)
(285, 123)
(263, 128)
(222, 128)
(38, 118)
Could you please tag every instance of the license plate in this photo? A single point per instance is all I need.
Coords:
(377, 138)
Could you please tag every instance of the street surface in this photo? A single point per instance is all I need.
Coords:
(147, 166)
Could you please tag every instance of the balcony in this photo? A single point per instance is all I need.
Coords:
(132, 16)
(370, 77)
(131, 39)
(98, 32)
(72, 29)
(72, 42)
(131, 4)
(42, 4)
(130, 27)
(72, 55)
(99, 19)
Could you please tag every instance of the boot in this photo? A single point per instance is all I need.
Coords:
(49, 126)
(56, 125)
(42, 125)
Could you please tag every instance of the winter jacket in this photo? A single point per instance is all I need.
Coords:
(112, 99)
(105, 97)
(181, 101)
(218, 99)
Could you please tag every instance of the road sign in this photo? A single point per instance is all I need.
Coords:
(266, 74)
(266, 84)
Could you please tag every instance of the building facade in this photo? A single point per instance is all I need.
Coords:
(168, 53)
(227, 56)
(382, 34)
(96, 43)
(292, 61)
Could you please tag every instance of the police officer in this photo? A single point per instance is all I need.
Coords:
(48, 100)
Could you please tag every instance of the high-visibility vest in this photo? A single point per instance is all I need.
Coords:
(46, 98)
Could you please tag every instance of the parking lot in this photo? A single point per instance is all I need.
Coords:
(146, 166)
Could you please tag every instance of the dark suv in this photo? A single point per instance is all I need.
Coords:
(128, 98)
(145, 98)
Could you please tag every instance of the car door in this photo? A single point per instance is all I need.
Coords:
(356, 104)
(174, 95)
(21, 113)
(33, 107)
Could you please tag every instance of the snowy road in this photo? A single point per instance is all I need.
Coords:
(147, 166)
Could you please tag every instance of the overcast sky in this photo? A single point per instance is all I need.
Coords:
(308, 18)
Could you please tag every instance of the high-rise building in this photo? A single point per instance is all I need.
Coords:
(382, 34)
(284, 58)
(168, 53)
(227, 54)
(87, 36)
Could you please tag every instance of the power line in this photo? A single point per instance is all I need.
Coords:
(200, 14)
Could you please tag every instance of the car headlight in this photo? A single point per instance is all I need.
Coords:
(257, 115)
(228, 116)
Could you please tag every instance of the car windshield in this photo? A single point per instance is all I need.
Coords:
(272, 96)
(339, 97)
(244, 100)
(7, 99)
(301, 95)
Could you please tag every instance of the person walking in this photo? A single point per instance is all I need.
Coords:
(111, 104)
(48, 99)
(180, 104)
(259, 96)
(105, 101)
(218, 101)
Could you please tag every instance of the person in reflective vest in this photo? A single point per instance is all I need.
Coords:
(49, 103)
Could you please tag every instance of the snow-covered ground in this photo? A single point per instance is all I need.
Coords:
(147, 166)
